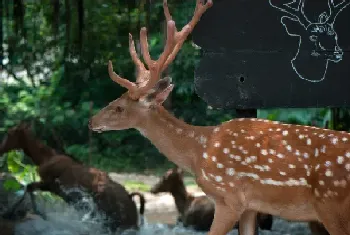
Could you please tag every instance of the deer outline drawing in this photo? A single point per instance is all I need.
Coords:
(320, 36)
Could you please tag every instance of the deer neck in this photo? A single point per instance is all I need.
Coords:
(181, 198)
(180, 142)
(37, 151)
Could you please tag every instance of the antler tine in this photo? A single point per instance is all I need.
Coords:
(335, 9)
(121, 81)
(297, 13)
(155, 66)
(172, 46)
(181, 36)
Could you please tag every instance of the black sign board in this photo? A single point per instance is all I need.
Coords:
(274, 53)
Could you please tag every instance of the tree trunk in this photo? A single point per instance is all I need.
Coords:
(81, 22)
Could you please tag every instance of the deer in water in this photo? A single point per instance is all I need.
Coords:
(69, 179)
(196, 212)
(318, 41)
(245, 165)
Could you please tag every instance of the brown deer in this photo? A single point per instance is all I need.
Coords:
(196, 212)
(245, 165)
(62, 175)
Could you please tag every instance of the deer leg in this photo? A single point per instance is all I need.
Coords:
(248, 223)
(224, 219)
(41, 185)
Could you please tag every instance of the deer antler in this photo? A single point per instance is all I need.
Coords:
(147, 78)
(295, 13)
(335, 9)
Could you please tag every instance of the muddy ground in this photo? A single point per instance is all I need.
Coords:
(159, 208)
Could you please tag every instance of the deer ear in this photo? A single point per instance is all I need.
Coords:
(293, 26)
(161, 91)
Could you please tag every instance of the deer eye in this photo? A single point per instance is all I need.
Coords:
(119, 109)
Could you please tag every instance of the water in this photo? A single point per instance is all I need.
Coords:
(64, 220)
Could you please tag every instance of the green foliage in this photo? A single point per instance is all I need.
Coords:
(54, 77)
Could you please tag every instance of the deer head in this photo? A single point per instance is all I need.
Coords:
(318, 39)
(172, 178)
(149, 90)
(13, 138)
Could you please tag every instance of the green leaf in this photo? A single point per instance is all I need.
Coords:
(12, 185)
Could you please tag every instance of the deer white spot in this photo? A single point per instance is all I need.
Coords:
(291, 166)
(340, 159)
(297, 152)
(261, 132)
(217, 144)
(316, 167)
(284, 142)
(289, 148)
(203, 139)
(204, 175)
(316, 192)
(321, 182)
(246, 174)
(334, 140)
(233, 142)
(248, 160)
(216, 129)
(263, 152)
(230, 171)
(258, 145)
(282, 173)
(226, 150)
(329, 173)
(231, 184)
(342, 183)
(235, 134)
(219, 165)
(270, 160)
(242, 131)
(236, 157)
(272, 151)
(301, 137)
(280, 155)
(253, 158)
(347, 166)
(278, 129)
(316, 152)
(323, 149)
(213, 158)
(205, 155)
(327, 163)
(270, 129)
(306, 155)
(308, 141)
(191, 134)
(218, 178)
(285, 133)
(178, 130)
(345, 139)
(347, 154)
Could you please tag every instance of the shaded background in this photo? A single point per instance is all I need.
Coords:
(54, 58)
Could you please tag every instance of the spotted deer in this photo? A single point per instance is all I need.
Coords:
(245, 165)
(194, 211)
(318, 40)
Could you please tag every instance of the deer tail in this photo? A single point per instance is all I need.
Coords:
(142, 201)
